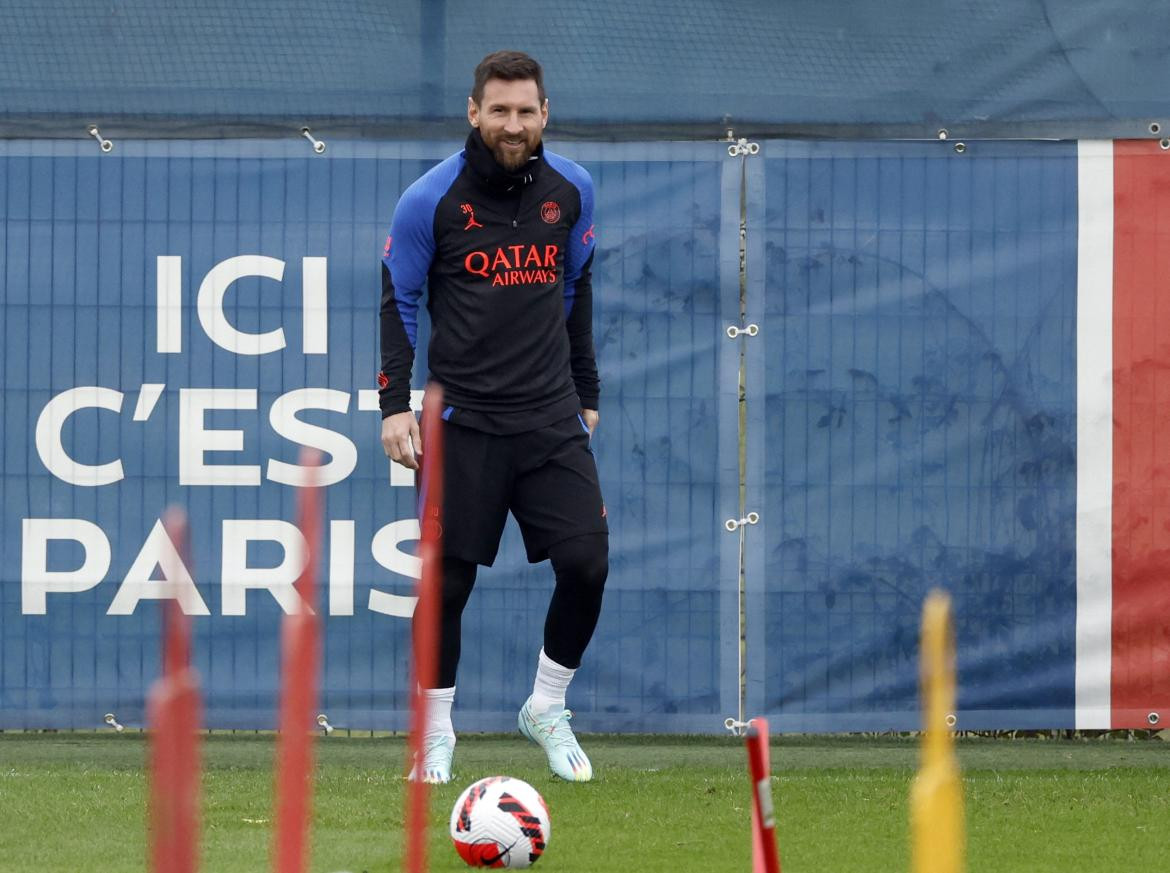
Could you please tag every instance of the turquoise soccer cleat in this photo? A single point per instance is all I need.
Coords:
(436, 763)
(553, 734)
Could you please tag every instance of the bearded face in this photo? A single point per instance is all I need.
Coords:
(511, 119)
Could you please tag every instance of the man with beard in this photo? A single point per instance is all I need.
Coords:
(502, 235)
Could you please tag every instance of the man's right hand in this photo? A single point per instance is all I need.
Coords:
(401, 439)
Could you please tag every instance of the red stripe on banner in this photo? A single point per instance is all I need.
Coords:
(1141, 436)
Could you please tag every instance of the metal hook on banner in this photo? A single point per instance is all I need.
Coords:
(740, 145)
(737, 727)
(944, 134)
(734, 524)
(105, 144)
(318, 146)
(743, 147)
(734, 331)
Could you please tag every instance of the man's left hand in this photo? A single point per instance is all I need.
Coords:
(591, 419)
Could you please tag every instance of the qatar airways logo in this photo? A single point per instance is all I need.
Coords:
(515, 265)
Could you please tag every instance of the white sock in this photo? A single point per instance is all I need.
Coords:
(552, 681)
(439, 702)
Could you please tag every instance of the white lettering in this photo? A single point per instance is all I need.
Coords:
(177, 584)
(158, 571)
(341, 557)
(386, 552)
(51, 422)
(37, 580)
(195, 439)
(148, 396)
(237, 578)
(209, 304)
(315, 305)
(169, 300)
(284, 421)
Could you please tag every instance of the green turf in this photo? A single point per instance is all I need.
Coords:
(75, 802)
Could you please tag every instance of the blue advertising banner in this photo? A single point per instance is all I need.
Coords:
(180, 318)
(927, 402)
(919, 312)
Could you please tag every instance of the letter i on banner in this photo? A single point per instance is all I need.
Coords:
(936, 798)
(425, 635)
(300, 643)
(175, 712)
(765, 855)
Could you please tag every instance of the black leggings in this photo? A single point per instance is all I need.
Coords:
(580, 565)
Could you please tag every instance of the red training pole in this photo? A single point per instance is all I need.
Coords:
(176, 625)
(765, 856)
(174, 712)
(425, 627)
(300, 658)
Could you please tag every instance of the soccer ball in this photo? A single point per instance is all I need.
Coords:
(500, 822)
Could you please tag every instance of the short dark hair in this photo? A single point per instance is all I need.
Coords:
(509, 66)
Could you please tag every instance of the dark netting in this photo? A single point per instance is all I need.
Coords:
(1057, 68)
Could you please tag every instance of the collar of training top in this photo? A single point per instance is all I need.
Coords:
(488, 171)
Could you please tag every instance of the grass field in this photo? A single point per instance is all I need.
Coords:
(75, 802)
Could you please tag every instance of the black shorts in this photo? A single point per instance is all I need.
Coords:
(547, 478)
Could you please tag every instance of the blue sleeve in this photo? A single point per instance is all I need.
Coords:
(579, 286)
(407, 256)
(406, 261)
(581, 242)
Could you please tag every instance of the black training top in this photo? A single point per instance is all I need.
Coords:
(506, 258)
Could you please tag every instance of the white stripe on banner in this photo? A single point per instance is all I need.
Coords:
(1094, 434)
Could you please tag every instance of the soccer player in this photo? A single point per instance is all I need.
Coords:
(501, 233)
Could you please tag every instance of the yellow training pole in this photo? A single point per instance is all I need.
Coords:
(936, 799)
